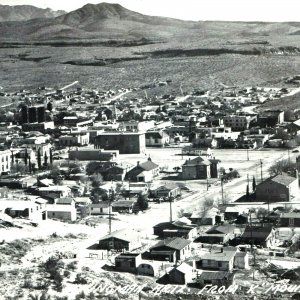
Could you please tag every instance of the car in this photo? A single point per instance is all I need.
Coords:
(295, 151)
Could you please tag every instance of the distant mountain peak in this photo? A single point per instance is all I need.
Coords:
(26, 12)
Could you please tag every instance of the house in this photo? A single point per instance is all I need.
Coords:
(291, 219)
(116, 173)
(219, 234)
(125, 142)
(190, 150)
(233, 212)
(236, 122)
(101, 208)
(74, 139)
(180, 228)
(32, 208)
(62, 212)
(218, 260)
(120, 240)
(128, 262)
(216, 278)
(278, 188)
(210, 217)
(182, 274)
(173, 249)
(167, 192)
(263, 236)
(157, 138)
(123, 206)
(65, 201)
(200, 168)
(5, 161)
(55, 191)
(143, 172)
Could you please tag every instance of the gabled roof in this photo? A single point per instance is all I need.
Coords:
(283, 179)
(173, 243)
(148, 165)
(197, 161)
(123, 234)
(258, 232)
(222, 229)
(184, 268)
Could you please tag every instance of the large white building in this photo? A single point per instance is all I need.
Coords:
(237, 122)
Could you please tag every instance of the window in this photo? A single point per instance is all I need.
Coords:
(291, 221)
(53, 214)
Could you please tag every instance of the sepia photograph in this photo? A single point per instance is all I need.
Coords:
(149, 150)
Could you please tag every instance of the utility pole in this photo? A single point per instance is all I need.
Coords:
(222, 190)
(170, 200)
(261, 171)
(289, 158)
(251, 232)
(247, 154)
(109, 212)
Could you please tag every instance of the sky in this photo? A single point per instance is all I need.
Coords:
(226, 10)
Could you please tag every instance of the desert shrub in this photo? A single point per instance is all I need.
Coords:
(79, 296)
(80, 279)
(72, 266)
(67, 273)
(27, 284)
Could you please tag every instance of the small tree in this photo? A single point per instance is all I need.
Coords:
(142, 202)
(39, 159)
(247, 191)
(51, 156)
(253, 184)
(45, 159)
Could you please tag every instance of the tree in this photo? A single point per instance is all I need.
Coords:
(39, 159)
(26, 157)
(283, 166)
(247, 191)
(253, 184)
(45, 159)
(51, 156)
(50, 106)
(142, 202)
(96, 180)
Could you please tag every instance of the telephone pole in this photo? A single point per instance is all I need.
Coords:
(251, 232)
(261, 171)
(222, 190)
(247, 154)
(170, 200)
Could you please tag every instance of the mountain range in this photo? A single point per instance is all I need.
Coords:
(26, 12)
(106, 21)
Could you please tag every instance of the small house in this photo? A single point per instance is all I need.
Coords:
(182, 274)
(291, 219)
(177, 245)
(120, 240)
(62, 212)
(218, 278)
(101, 208)
(123, 206)
(128, 262)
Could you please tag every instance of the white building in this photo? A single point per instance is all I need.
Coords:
(5, 161)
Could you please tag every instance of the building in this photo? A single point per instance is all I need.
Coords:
(123, 206)
(190, 150)
(209, 217)
(217, 260)
(55, 191)
(270, 118)
(237, 123)
(101, 208)
(216, 278)
(143, 172)
(182, 274)
(120, 240)
(74, 139)
(291, 219)
(116, 173)
(278, 188)
(182, 228)
(136, 126)
(167, 192)
(62, 212)
(85, 154)
(125, 142)
(128, 262)
(263, 236)
(5, 161)
(200, 168)
(173, 248)
(157, 138)
(32, 208)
